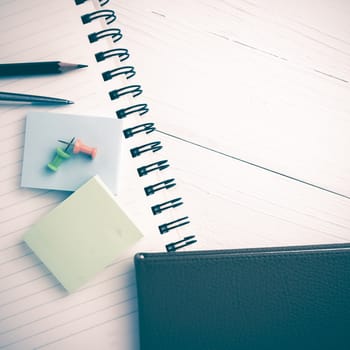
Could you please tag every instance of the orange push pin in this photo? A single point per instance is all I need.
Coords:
(80, 147)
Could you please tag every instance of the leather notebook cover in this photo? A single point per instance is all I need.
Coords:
(263, 298)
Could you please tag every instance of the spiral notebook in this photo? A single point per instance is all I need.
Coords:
(35, 311)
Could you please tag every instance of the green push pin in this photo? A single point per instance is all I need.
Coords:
(60, 156)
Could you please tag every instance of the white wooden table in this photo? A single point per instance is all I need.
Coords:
(251, 102)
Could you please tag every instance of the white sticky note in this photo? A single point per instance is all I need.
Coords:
(44, 129)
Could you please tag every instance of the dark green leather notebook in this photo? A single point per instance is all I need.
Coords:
(263, 298)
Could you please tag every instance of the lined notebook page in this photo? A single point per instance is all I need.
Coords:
(205, 68)
(35, 311)
(263, 81)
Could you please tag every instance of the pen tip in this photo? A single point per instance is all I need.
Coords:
(189, 237)
(70, 102)
(82, 65)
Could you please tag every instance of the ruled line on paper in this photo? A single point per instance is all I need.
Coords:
(11, 232)
(8, 109)
(11, 182)
(13, 177)
(254, 164)
(70, 321)
(15, 131)
(45, 273)
(14, 231)
(16, 272)
(29, 212)
(16, 258)
(89, 328)
(15, 162)
(21, 285)
(13, 246)
(280, 57)
(11, 254)
(25, 199)
(130, 297)
(27, 296)
(33, 320)
(331, 76)
(11, 150)
(103, 281)
(54, 285)
(7, 193)
(49, 273)
(19, 10)
(26, 20)
(37, 32)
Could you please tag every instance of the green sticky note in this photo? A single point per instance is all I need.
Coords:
(82, 235)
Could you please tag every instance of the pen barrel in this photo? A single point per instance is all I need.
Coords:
(14, 97)
(30, 68)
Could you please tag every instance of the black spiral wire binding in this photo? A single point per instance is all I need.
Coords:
(173, 203)
(102, 2)
(114, 33)
(163, 185)
(137, 109)
(171, 247)
(108, 15)
(134, 90)
(146, 169)
(152, 146)
(123, 54)
(128, 71)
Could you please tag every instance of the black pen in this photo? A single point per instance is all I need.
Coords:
(13, 97)
(37, 68)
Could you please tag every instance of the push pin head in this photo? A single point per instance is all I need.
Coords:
(60, 156)
(80, 147)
